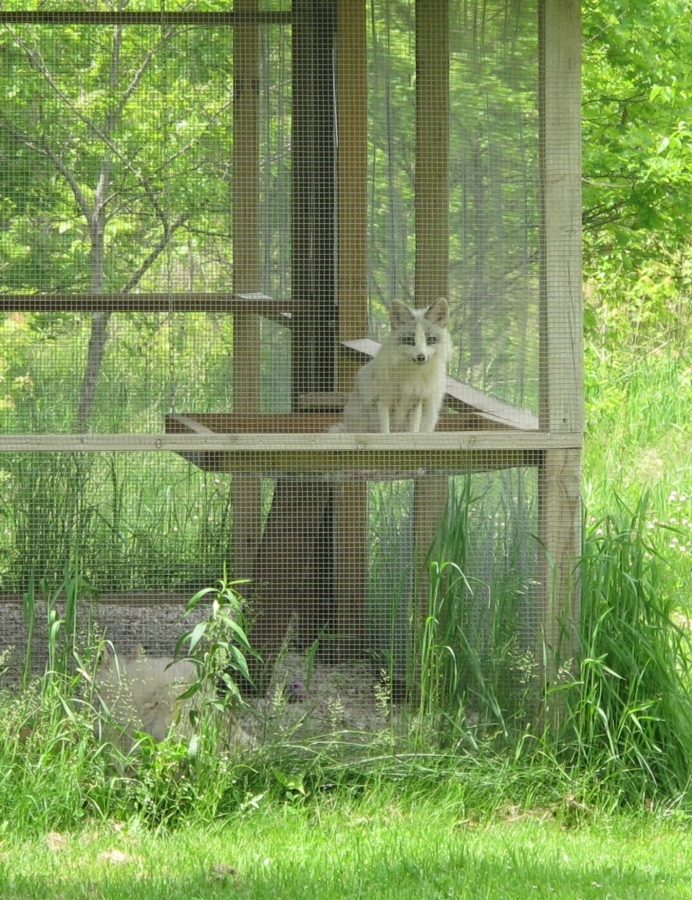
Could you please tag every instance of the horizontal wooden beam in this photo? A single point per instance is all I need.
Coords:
(251, 423)
(130, 17)
(350, 457)
(150, 302)
(292, 444)
(308, 420)
(361, 465)
(463, 397)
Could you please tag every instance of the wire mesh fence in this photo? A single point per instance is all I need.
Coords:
(224, 238)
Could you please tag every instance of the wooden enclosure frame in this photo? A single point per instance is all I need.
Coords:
(328, 312)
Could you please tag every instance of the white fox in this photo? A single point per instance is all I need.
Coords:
(141, 693)
(403, 387)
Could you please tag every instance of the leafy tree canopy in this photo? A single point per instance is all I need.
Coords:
(637, 121)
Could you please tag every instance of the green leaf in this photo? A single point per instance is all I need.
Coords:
(197, 634)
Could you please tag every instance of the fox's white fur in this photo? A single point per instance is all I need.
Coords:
(140, 693)
(403, 387)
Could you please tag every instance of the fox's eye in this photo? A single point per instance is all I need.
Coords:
(409, 339)
(431, 338)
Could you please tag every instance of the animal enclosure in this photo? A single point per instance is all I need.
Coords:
(206, 214)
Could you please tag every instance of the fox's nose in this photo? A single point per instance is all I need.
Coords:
(421, 358)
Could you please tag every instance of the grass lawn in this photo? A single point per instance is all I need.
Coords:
(370, 849)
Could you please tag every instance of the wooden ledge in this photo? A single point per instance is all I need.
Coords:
(317, 455)
(309, 421)
(150, 301)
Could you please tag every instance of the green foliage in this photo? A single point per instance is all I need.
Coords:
(221, 646)
(630, 314)
(102, 101)
(626, 722)
(54, 772)
(637, 108)
(624, 738)
(630, 718)
(472, 670)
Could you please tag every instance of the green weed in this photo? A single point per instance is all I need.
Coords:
(629, 717)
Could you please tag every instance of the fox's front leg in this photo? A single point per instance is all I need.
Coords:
(414, 422)
(383, 416)
(429, 416)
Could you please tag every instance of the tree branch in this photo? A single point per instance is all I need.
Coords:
(44, 149)
(157, 250)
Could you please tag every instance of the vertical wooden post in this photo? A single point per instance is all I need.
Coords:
(293, 572)
(561, 347)
(432, 150)
(432, 228)
(294, 583)
(313, 197)
(352, 109)
(559, 522)
(247, 491)
(352, 112)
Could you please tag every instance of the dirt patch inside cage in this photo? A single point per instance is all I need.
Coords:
(303, 700)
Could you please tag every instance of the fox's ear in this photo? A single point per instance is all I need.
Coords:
(438, 313)
(399, 314)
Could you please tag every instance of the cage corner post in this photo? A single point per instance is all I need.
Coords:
(561, 340)
(294, 571)
(432, 234)
(352, 279)
(247, 489)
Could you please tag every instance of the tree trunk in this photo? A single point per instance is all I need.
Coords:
(95, 354)
(99, 319)
(97, 229)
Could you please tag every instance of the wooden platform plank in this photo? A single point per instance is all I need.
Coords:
(358, 465)
(301, 422)
(293, 446)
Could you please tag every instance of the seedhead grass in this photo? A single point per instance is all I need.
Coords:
(624, 739)
(629, 714)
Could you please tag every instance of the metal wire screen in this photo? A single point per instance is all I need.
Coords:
(224, 238)
(493, 197)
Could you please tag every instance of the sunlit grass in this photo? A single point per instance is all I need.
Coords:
(376, 848)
